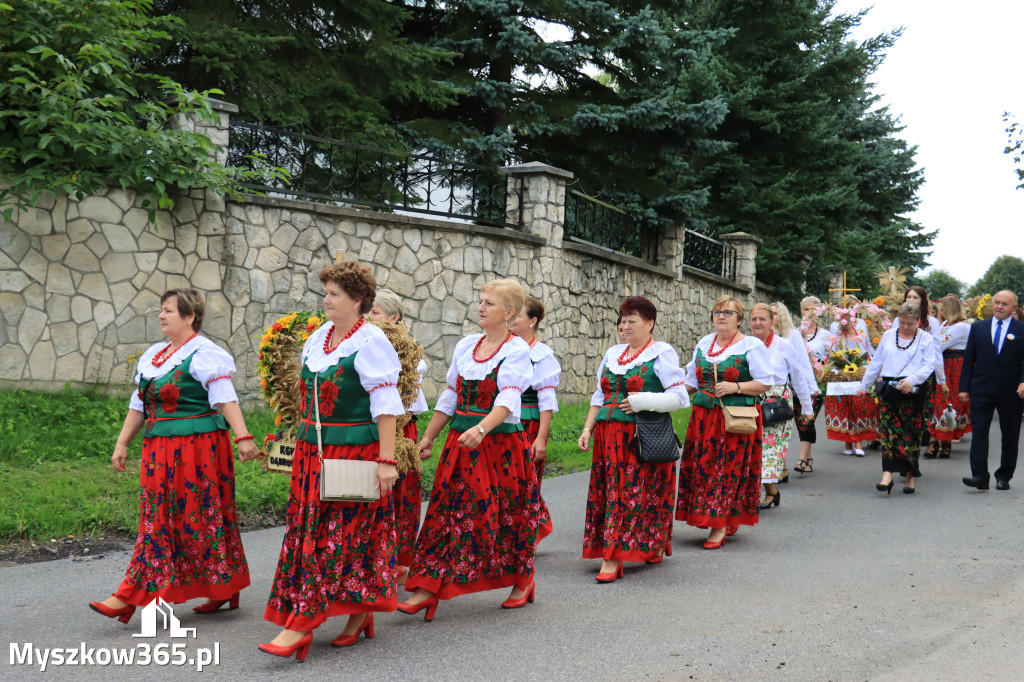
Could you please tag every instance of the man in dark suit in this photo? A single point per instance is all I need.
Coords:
(993, 378)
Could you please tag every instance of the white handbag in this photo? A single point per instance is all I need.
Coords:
(343, 480)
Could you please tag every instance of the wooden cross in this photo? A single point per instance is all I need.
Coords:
(844, 289)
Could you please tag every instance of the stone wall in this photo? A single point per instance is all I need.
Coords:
(80, 280)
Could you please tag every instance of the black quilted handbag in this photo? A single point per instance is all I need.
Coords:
(655, 441)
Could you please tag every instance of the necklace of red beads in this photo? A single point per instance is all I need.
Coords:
(711, 351)
(163, 356)
(480, 342)
(328, 349)
(533, 342)
(623, 360)
(768, 343)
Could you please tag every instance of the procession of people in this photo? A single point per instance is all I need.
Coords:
(925, 382)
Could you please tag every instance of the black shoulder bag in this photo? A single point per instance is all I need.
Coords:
(655, 440)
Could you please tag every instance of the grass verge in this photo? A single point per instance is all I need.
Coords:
(56, 479)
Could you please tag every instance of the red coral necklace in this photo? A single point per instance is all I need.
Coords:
(163, 356)
(623, 360)
(480, 342)
(533, 342)
(768, 343)
(328, 349)
(711, 351)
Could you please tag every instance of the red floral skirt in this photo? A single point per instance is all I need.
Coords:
(851, 418)
(188, 544)
(629, 503)
(337, 558)
(483, 521)
(720, 473)
(952, 366)
(531, 428)
(408, 493)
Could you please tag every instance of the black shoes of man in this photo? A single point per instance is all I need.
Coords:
(981, 483)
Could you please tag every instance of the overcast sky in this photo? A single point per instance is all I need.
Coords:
(950, 78)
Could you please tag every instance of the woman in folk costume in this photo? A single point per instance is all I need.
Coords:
(720, 474)
(408, 492)
(629, 503)
(851, 419)
(483, 522)
(787, 365)
(338, 558)
(782, 325)
(935, 390)
(188, 544)
(819, 342)
(539, 400)
(953, 331)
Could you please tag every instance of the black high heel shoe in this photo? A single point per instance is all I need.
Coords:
(880, 487)
(774, 501)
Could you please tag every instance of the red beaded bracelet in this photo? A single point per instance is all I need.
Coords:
(392, 462)
(241, 438)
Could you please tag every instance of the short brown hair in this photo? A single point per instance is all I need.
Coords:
(355, 279)
(534, 308)
(639, 305)
(189, 302)
(737, 305)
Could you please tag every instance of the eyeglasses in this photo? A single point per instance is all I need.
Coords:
(722, 313)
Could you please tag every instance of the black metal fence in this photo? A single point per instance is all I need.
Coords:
(593, 221)
(328, 170)
(708, 254)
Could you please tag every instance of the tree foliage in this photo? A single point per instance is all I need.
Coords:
(939, 283)
(1006, 272)
(1015, 145)
(77, 111)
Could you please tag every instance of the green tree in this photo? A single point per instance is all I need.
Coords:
(77, 110)
(939, 283)
(1015, 145)
(341, 67)
(813, 166)
(1007, 272)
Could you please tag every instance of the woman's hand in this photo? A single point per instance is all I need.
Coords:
(906, 387)
(247, 450)
(945, 390)
(471, 438)
(725, 388)
(584, 440)
(625, 406)
(539, 449)
(120, 457)
(387, 474)
(426, 448)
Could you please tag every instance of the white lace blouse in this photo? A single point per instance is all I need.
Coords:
(916, 362)
(211, 365)
(376, 363)
(514, 374)
(547, 374)
(666, 368)
(758, 359)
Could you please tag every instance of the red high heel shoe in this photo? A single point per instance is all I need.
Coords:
(214, 604)
(300, 648)
(521, 602)
(731, 530)
(123, 614)
(708, 544)
(430, 604)
(349, 640)
(661, 557)
(610, 577)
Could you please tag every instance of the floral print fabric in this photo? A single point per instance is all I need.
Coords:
(408, 494)
(775, 441)
(336, 558)
(851, 418)
(900, 423)
(188, 545)
(629, 503)
(953, 367)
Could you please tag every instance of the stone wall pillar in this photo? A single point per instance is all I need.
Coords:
(746, 257)
(670, 249)
(542, 209)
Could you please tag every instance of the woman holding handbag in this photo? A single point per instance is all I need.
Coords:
(483, 522)
(788, 375)
(904, 361)
(819, 342)
(629, 503)
(720, 475)
(338, 558)
(184, 405)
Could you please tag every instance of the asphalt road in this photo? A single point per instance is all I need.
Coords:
(838, 583)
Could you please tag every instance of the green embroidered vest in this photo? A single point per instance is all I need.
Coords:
(475, 401)
(178, 405)
(705, 396)
(641, 378)
(345, 417)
